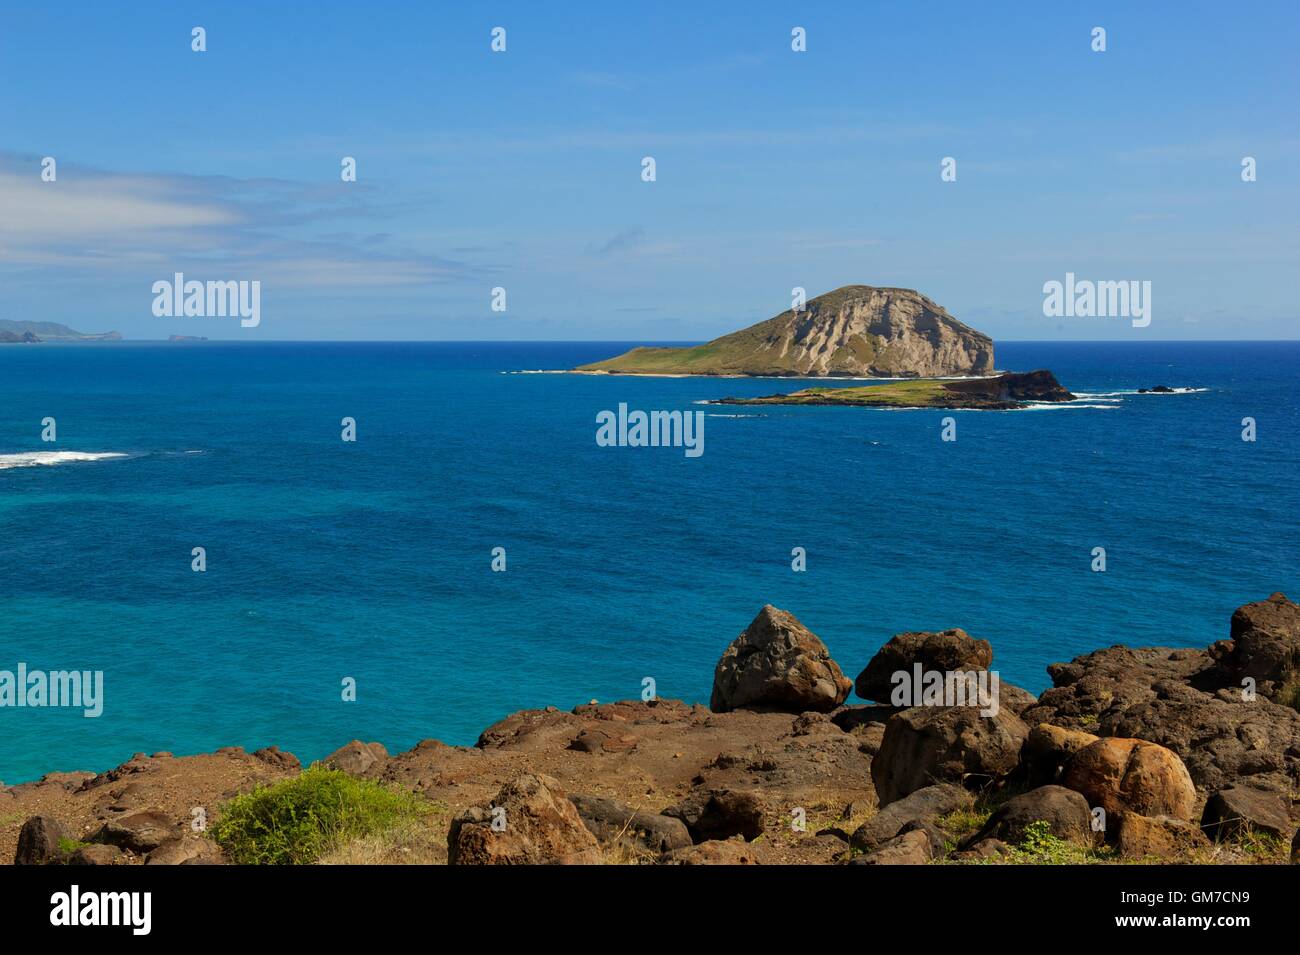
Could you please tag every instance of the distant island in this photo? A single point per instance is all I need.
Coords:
(854, 331)
(999, 393)
(187, 338)
(14, 331)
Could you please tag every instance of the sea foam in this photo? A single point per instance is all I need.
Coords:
(33, 459)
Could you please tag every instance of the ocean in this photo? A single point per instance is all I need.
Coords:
(371, 561)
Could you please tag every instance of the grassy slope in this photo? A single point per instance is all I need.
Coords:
(903, 394)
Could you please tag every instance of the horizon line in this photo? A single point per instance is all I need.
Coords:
(607, 341)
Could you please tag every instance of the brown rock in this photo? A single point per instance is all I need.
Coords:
(924, 805)
(1065, 811)
(1264, 645)
(911, 848)
(946, 651)
(612, 821)
(1131, 774)
(540, 826)
(359, 759)
(185, 850)
(38, 841)
(715, 852)
(1241, 810)
(720, 815)
(98, 854)
(1161, 837)
(1048, 748)
(139, 832)
(778, 663)
(984, 849)
(278, 758)
(929, 744)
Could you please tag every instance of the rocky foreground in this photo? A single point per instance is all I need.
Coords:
(1172, 755)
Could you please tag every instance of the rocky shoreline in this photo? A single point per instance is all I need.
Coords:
(1004, 392)
(1134, 755)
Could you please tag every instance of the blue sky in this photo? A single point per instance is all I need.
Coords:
(522, 169)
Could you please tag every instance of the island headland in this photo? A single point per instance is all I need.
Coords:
(855, 331)
(12, 331)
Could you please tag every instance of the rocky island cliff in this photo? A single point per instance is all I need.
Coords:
(854, 331)
(1134, 755)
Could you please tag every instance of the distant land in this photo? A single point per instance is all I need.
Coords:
(13, 331)
(854, 331)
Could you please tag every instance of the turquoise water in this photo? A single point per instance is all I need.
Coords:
(371, 560)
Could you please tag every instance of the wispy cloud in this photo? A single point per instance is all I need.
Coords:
(623, 241)
(91, 220)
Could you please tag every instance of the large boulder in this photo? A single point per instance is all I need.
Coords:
(539, 826)
(612, 821)
(1222, 738)
(38, 841)
(1134, 775)
(923, 806)
(778, 664)
(946, 651)
(1065, 811)
(1264, 646)
(925, 745)
(1241, 810)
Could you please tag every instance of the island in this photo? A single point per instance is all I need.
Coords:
(854, 331)
(996, 393)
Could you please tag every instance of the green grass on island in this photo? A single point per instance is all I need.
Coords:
(918, 393)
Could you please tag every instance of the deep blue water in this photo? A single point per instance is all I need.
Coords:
(371, 560)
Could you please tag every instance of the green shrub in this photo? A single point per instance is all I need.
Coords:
(295, 821)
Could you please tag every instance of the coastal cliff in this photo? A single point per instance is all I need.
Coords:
(854, 331)
(23, 331)
(1134, 755)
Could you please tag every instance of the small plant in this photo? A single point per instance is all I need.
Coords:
(1289, 695)
(296, 821)
(1262, 845)
(1038, 846)
(68, 846)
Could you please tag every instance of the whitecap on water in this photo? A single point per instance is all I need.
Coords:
(33, 459)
